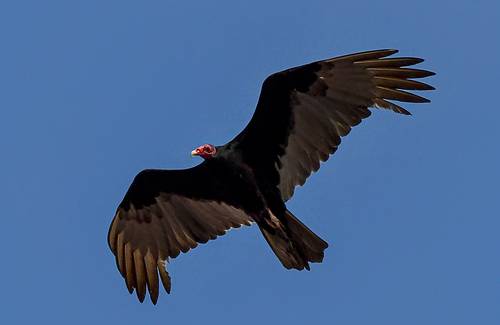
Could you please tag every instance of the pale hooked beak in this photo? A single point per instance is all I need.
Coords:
(195, 153)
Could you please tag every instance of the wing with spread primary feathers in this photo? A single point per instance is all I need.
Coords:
(166, 212)
(303, 112)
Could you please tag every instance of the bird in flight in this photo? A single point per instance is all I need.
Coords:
(301, 115)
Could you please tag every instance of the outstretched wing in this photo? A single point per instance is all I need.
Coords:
(303, 112)
(166, 212)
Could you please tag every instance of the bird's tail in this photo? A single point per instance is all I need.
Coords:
(293, 243)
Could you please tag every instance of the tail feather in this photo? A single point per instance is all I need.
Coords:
(294, 244)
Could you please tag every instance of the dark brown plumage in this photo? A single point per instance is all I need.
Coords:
(300, 118)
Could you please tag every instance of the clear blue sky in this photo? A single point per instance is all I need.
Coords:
(91, 92)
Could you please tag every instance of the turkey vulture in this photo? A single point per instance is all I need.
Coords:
(300, 117)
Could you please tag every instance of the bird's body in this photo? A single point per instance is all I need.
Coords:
(301, 115)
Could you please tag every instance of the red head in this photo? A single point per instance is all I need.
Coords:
(205, 151)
